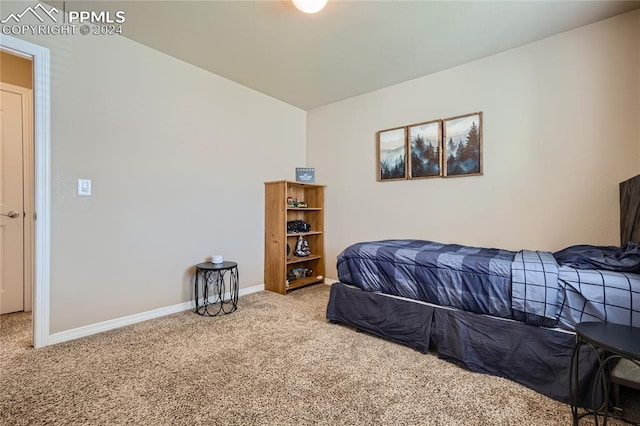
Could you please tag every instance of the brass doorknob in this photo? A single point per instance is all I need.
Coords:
(11, 214)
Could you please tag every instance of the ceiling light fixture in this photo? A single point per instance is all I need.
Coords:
(310, 6)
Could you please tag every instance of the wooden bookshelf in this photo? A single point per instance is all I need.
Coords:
(276, 238)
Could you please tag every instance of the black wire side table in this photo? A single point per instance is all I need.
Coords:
(610, 342)
(215, 299)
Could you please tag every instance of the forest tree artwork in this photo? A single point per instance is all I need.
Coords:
(463, 145)
(449, 147)
(425, 147)
(392, 154)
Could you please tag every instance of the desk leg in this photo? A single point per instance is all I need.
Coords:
(220, 286)
(575, 396)
(209, 281)
(195, 290)
(604, 376)
(574, 381)
(233, 291)
(233, 288)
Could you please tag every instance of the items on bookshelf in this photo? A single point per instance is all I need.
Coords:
(293, 203)
(302, 247)
(297, 273)
(298, 226)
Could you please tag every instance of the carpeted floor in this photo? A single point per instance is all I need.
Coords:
(275, 361)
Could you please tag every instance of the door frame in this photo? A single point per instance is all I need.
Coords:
(27, 189)
(41, 181)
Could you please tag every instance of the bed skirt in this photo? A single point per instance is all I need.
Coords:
(536, 357)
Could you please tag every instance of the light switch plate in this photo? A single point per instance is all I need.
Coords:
(84, 186)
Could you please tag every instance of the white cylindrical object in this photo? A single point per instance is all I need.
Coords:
(217, 258)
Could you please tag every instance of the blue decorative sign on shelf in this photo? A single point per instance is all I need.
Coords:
(305, 174)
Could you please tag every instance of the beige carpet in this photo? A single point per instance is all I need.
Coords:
(275, 361)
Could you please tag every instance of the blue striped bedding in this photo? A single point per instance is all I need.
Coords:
(528, 286)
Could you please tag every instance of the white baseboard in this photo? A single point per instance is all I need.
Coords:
(88, 330)
(330, 281)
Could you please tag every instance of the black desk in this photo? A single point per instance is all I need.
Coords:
(610, 342)
(214, 286)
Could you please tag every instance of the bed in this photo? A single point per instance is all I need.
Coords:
(501, 312)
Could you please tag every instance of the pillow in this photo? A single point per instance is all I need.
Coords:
(611, 258)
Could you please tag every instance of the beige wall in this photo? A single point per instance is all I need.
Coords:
(16, 70)
(560, 132)
(177, 158)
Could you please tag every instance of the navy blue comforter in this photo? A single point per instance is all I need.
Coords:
(469, 278)
(536, 287)
(610, 258)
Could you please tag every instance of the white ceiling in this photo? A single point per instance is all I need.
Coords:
(350, 47)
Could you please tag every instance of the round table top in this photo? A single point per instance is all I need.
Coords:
(208, 266)
(621, 339)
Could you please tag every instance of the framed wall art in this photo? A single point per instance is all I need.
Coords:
(425, 150)
(462, 145)
(392, 154)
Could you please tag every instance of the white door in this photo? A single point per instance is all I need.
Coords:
(12, 107)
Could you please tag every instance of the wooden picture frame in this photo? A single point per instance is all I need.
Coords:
(425, 149)
(392, 154)
(462, 145)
